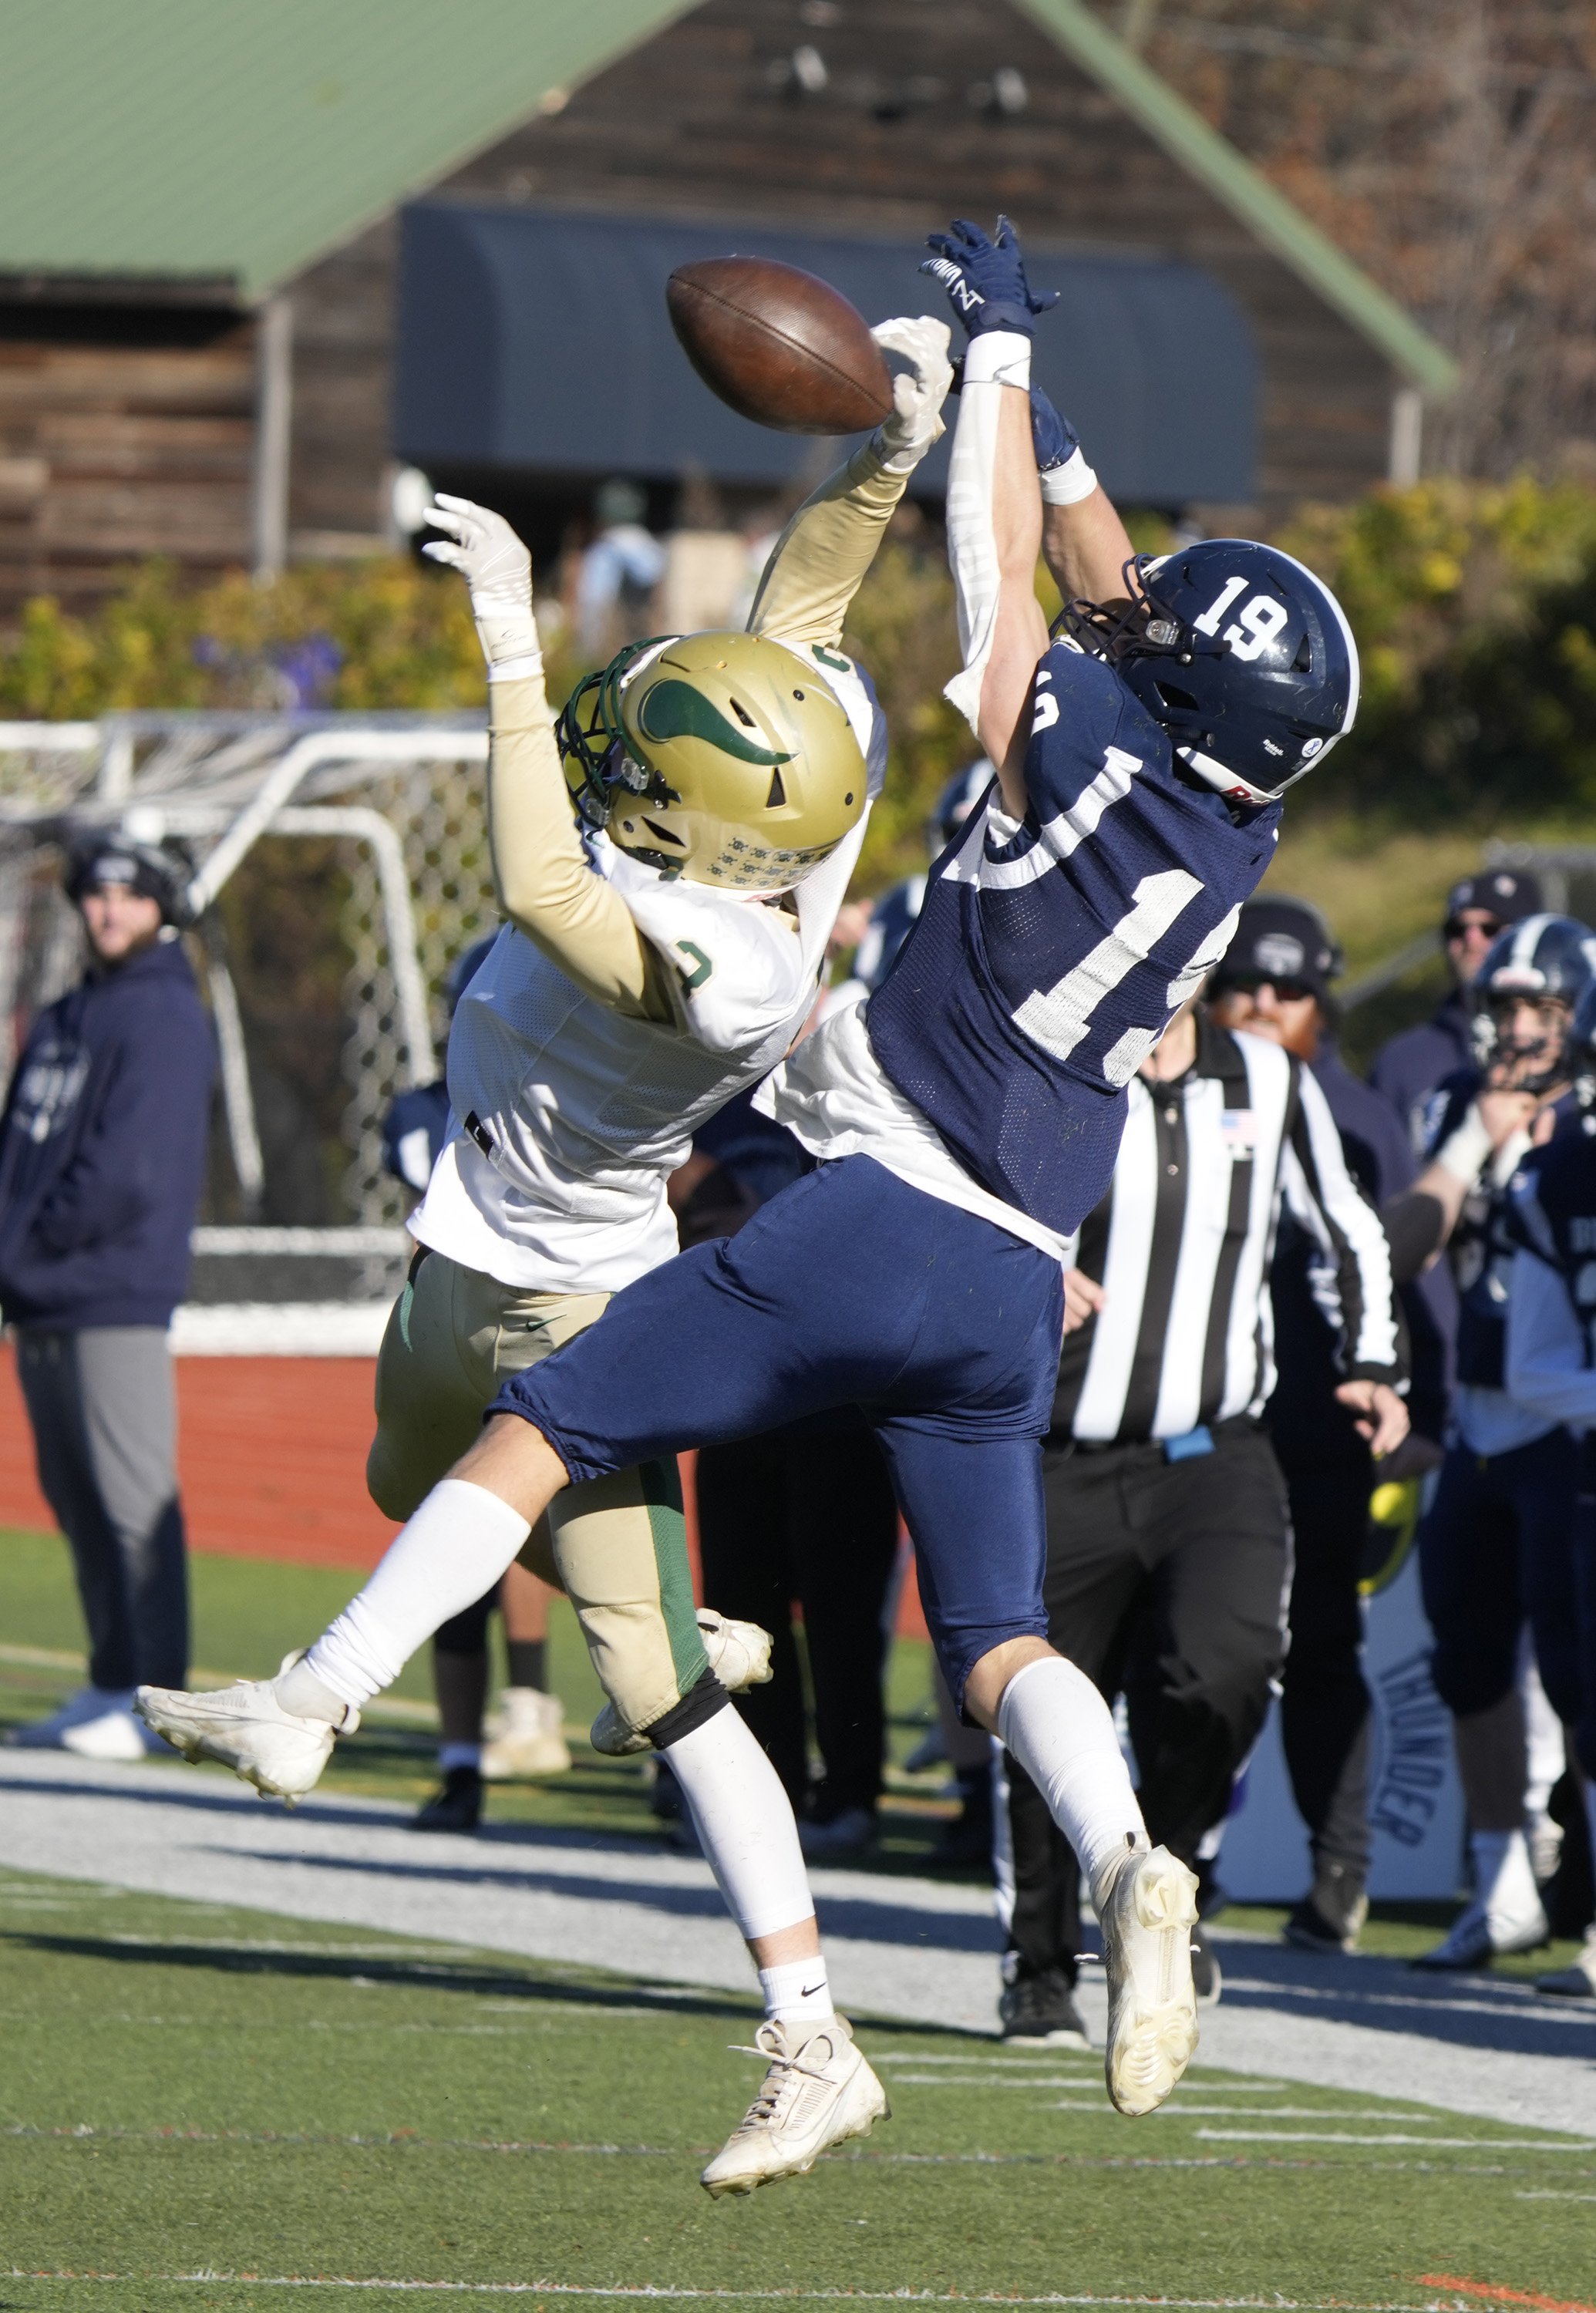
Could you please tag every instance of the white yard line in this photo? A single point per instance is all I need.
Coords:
(914, 1949)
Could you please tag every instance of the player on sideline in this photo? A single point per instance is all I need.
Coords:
(969, 1117)
(615, 1013)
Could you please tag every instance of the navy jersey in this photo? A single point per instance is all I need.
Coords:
(1049, 956)
(1482, 1245)
(1554, 1215)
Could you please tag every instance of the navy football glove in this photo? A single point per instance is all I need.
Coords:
(1053, 437)
(985, 280)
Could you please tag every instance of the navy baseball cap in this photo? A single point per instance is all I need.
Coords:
(1284, 942)
(1508, 893)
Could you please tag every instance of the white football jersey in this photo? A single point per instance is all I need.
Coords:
(567, 1118)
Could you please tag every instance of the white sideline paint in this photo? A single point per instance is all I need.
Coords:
(911, 1948)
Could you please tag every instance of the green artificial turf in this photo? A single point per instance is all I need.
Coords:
(249, 2101)
(248, 1613)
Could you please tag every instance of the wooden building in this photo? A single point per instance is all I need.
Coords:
(201, 211)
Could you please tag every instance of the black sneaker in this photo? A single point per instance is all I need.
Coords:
(455, 1805)
(1206, 1978)
(1038, 2011)
(1331, 1916)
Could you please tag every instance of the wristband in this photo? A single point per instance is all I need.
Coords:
(1067, 484)
(999, 357)
(1466, 1152)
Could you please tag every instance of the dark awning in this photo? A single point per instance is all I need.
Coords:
(538, 340)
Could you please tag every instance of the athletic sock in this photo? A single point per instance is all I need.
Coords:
(798, 1992)
(528, 1663)
(299, 1690)
(744, 1824)
(1061, 1731)
(457, 1545)
(1590, 1791)
(451, 1755)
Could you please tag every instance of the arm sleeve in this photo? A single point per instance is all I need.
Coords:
(1328, 1202)
(817, 563)
(540, 874)
(1548, 1363)
(994, 360)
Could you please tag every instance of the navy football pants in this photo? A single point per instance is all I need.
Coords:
(1496, 1548)
(848, 1288)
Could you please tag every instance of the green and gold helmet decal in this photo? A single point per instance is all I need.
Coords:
(722, 757)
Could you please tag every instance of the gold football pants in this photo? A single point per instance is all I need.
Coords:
(617, 1546)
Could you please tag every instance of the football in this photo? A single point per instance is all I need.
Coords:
(780, 345)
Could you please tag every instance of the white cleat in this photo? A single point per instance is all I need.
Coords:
(97, 1722)
(739, 1655)
(1146, 1925)
(1477, 1936)
(246, 1729)
(818, 2092)
(527, 1737)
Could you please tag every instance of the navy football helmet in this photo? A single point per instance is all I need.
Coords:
(1242, 655)
(1581, 1046)
(957, 801)
(1544, 956)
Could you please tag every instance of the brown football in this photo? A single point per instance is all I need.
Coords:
(780, 345)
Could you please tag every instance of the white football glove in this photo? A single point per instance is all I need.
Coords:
(498, 568)
(739, 1655)
(916, 423)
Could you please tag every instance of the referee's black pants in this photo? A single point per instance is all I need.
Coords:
(1326, 1709)
(807, 1516)
(1167, 1578)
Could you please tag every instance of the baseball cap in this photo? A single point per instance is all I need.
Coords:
(1508, 893)
(1283, 941)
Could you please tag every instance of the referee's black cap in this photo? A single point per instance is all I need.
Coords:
(1286, 942)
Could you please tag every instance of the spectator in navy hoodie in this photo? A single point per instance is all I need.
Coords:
(102, 1151)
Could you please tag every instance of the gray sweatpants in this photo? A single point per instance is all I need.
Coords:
(105, 1415)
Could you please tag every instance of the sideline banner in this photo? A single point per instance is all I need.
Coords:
(1415, 1804)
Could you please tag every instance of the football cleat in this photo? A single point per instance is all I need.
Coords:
(739, 1655)
(1475, 1939)
(245, 1728)
(819, 2091)
(97, 1722)
(1147, 1921)
(456, 1805)
(526, 1736)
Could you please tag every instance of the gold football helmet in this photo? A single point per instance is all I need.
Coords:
(722, 757)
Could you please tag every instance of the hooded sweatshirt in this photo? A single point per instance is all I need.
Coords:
(102, 1149)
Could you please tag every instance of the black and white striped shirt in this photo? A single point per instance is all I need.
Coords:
(1183, 1242)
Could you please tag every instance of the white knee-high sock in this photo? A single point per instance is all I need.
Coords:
(744, 1824)
(1061, 1731)
(458, 1545)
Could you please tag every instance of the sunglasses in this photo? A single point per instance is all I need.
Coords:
(1455, 931)
(1248, 983)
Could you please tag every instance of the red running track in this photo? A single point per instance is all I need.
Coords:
(271, 1457)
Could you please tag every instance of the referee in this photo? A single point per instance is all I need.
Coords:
(1169, 1541)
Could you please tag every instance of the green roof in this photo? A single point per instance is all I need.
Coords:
(247, 137)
